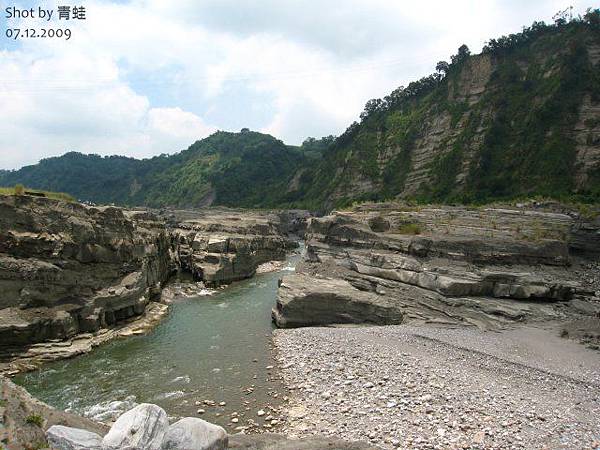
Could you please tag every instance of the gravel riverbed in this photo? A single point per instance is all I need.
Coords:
(407, 387)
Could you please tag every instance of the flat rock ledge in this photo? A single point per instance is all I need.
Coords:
(490, 268)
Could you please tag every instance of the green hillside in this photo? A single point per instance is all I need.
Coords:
(246, 169)
(520, 119)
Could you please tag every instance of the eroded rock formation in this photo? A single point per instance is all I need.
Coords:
(219, 246)
(66, 268)
(487, 267)
(73, 276)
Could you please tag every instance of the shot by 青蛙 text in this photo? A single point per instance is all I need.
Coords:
(42, 22)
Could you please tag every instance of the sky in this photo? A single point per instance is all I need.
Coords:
(145, 77)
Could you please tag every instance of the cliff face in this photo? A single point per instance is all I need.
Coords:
(67, 269)
(219, 246)
(519, 121)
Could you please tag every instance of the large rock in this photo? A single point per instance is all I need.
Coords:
(191, 433)
(141, 428)
(67, 438)
(304, 300)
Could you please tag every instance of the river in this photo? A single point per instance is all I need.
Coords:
(215, 347)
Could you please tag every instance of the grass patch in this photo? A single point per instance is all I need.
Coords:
(38, 446)
(410, 228)
(35, 419)
(21, 190)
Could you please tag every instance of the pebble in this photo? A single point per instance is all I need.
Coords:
(389, 386)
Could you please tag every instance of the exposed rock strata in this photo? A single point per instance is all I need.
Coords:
(35, 355)
(73, 276)
(486, 267)
(66, 268)
(219, 245)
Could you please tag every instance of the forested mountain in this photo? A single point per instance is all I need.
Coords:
(246, 169)
(520, 119)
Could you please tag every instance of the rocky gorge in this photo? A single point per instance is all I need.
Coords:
(74, 276)
(440, 278)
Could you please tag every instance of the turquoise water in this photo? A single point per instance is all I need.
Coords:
(209, 348)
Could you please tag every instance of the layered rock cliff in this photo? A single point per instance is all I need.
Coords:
(66, 268)
(520, 119)
(219, 246)
(488, 267)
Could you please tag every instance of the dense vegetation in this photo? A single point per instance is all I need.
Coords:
(246, 169)
(518, 138)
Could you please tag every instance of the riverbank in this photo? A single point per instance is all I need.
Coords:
(426, 387)
(73, 276)
(37, 355)
(25, 421)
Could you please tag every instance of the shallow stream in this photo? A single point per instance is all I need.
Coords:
(215, 347)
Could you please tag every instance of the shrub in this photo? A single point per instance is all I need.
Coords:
(379, 224)
(410, 228)
(35, 419)
(19, 189)
(38, 446)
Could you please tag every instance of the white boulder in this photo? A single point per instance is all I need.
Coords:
(141, 428)
(67, 438)
(191, 433)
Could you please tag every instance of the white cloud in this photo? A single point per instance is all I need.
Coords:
(178, 123)
(43, 116)
(149, 76)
